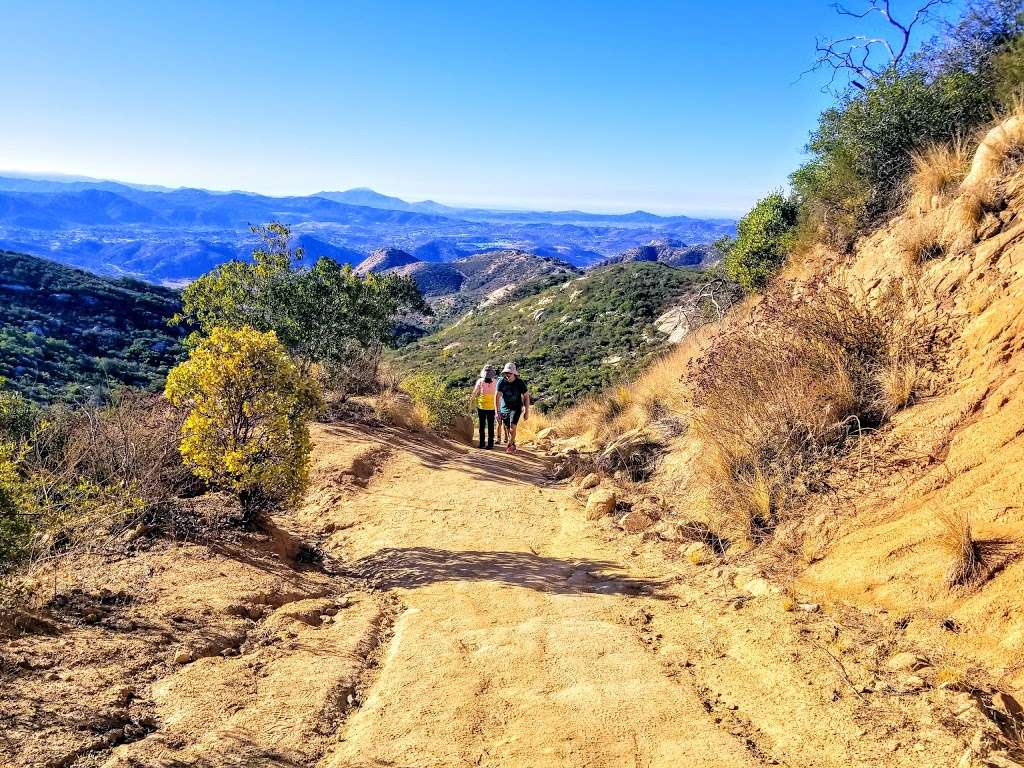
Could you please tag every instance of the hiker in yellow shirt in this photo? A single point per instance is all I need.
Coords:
(484, 391)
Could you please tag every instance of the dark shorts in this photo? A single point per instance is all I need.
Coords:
(508, 418)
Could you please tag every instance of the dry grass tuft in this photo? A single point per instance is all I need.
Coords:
(395, 407)
(776, 399)
(919, 240)
(957, 539)
(938, 171)
(899, 381)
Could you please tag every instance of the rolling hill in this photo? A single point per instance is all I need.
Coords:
(67, 334)
(569, 339)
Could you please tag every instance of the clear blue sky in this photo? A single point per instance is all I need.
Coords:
(602, 105)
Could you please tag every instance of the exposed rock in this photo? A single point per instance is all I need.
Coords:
(548, 433)
(757, 586)
(1007, 706)
(635, 522)
(601, 502)
(589, 481)
(674, 324)
(666, 531)
(697, 552)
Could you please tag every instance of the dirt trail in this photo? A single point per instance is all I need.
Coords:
(516, 643)
(527, 636)
(465, 614)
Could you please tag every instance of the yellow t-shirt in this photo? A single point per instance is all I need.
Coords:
(485, 391)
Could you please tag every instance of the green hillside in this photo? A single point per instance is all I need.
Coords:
(65, 333)
(569, 340)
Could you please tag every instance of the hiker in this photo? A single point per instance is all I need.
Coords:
(513, 401)
(484, 392)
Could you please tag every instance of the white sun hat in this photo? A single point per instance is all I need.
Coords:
(510, 368)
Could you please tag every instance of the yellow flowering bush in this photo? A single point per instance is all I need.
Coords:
(248, 407)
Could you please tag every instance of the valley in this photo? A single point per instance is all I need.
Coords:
(173, 236)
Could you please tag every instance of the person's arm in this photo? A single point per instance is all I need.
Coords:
(476, 393)
(526, 405)
(497, 400)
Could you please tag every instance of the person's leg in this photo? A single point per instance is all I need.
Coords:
(513, 428)
(506, 424)
(481, 415)
(490, 429)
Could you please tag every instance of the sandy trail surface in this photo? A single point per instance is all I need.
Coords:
(464, 613)
(516, 641)
(524, 635)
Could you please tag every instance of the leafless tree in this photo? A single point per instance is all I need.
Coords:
(862, 57)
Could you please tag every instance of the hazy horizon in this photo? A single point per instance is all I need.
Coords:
(59, 176)
(663, 107)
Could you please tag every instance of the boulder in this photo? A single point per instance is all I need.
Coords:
(548, 433)
(589, 481)
(601, 502)
(1009, 708)
(635, 522)
(760, 587)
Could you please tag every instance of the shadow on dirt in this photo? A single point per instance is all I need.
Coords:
(419, 566)
(438, 453)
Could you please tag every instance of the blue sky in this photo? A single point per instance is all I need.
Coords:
(668, 106)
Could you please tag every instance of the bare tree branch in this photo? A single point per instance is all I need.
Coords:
(863, 57)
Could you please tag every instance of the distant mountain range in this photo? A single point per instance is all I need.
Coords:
(172, 236)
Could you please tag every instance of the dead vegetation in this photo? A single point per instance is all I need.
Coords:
(938, 171)
(777, 398)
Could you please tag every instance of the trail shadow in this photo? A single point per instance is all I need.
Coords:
(235, 748)
(435, 452)
(419, 566)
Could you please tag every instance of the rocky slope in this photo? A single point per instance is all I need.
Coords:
(674, 253)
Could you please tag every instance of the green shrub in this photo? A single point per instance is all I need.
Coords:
(17, 415)
(248, 408)
(764, 238)
(862, 150)
(1009, 72)
(439, 404)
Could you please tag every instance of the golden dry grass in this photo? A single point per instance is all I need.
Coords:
(920, 239)
(938, 171)
(395, 407)
(898, 382)
(957, 539)
(658, 395)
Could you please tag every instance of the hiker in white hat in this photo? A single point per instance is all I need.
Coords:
(513, 402)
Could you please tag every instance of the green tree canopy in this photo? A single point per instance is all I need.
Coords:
(325, 313)
(764, 238)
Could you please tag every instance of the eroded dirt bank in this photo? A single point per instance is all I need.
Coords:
(466, 614)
